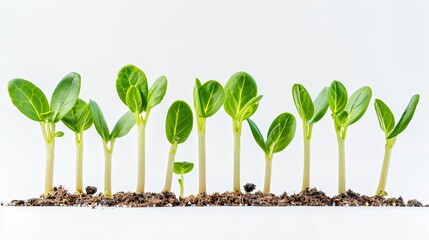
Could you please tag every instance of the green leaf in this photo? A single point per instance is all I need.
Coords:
(257, 135)
(386, 119)
(337, 97)
(211, 97)
(249, 108)
(281, 132)
(79, 118)
(406, 117)
(128, 76)
(320, 106)
(65, 96)
(29, 99)
(134, 100)
(59, 134)
(358, 104)
(99, 121)
(197, 101)
(157, 92)
(179, 122)
(239, 90)
(182, 167)
(123, 125)
(303, 103)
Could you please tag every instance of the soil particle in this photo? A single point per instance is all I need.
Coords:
(249, 187)
(91, 190)
(414, 203)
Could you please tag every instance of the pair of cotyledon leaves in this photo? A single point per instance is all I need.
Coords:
(182, 167)
(309, 111)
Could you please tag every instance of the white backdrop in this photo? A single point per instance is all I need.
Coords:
(383, 44)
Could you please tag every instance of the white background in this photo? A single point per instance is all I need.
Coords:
(383, 44)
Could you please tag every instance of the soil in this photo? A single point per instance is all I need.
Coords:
(310, 197)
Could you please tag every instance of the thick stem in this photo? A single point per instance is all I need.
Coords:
(268, 167)
(237, 136)
(108, 168)
(182, 185)
(79, 162)
(385, 170)
(341, 164)
(307, 138)
(49, 171)
(169, 174)
(202, 154)
(141, 157)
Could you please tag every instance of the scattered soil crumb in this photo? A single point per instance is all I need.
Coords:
(249, 187)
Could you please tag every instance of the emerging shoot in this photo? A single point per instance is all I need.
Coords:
(386, 120)
(32, 102)
(208, 98)
(182, 168)
(178, 126)
(241, 102)
(345, 112)
(310, 113)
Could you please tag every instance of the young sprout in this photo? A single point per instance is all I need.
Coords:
(280, 134)
(241, 102)
(208, 98)
(310, 113)
(132, 88)
(387, 124)
(345, 112)
(122, 127)
(79, 119)
(32, 102)
(178, 126)
(182, 168)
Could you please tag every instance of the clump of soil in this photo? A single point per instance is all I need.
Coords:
(310, 197)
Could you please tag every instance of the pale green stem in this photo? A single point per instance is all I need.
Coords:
(79, 162)
(385, 170)
(268, 167)
(202, 153)
(237, 136)
(169, 174)
(182, 185)
(307, 129)
(141, 126)
(48, 130)
(108, 168)
(341, 164)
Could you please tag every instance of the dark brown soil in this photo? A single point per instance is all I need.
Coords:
(311, 197)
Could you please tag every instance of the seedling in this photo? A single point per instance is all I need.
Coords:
(345, 112)
(122, 127)
(241, 102)
(178, 126)
(310, 113)
(386, 120)
(132, 88)
(32, 102)
(182, 168)
(280, 134)
(208, 98)
(79, 119)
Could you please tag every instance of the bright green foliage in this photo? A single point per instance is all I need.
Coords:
(79, 118)
(182, 168)
(179, 122)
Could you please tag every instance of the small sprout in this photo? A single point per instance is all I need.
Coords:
(208, 98)
(32, 102)
(280, 134)
(79, 119)
(386, 120)
(178, 126)
(310, 113)
(133, 90)
(182, 168)
(122, 127)
(241, 102)
(345, 112)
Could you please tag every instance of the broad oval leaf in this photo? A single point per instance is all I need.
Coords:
(406, 117)
(157, 92)
(211, 97)
(179, 122)
(281, 132)
(337, 97)
(182, 167)
(99, 121)
(128, 76)
(65, 96)
(134, 100)
(29, 99)
(358, 104)
(239, 90)
(320, 106)
(257, 135)
(79, 118)
(123, 125)
(386, 119)
(303, 103)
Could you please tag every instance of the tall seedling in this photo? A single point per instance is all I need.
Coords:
(122, 127)
(79, 119)
(32, 102)
(387, 124)
(178, 126)
(345, 112)
(208, 98)
(310, 113)
(132, 88)
(280, 134)
(241, 102)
